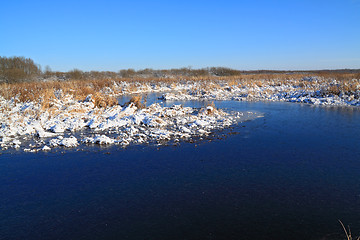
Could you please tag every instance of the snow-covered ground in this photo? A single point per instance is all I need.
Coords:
(69, 122)
(311, 90)
(61, 125)
(316, 94)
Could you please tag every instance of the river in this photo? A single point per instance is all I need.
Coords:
(288, 175)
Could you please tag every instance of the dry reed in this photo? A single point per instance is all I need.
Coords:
(44, 92)
(348, 232)
(136, 100)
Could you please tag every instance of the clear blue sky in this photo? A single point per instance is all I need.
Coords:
(246, 35)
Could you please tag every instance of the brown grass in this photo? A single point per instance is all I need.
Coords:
(210, 111)
(333, 90)
(44, 92)
(136, 100)
(102, 101)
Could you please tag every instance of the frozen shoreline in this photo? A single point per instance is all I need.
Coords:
(65, 116)
(112, 125)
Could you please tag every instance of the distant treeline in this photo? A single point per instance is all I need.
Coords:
(18, 69)
(21, 69)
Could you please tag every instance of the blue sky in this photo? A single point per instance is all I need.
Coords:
(246, 35)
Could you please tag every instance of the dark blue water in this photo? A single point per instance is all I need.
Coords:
(289, 175)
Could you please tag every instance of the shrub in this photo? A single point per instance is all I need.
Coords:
(127, 73)
(76, 74)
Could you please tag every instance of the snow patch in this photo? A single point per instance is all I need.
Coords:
(65, 142)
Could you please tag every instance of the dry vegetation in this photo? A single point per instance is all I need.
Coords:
(45, 92)
(104, 91)
(137, 101)
(17, 81)
(348, 232)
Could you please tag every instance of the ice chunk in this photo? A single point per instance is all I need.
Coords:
(46, 148)
(16, 142)
(185, 129)
(58, 128)
(103, 139)
(200, 123)
(65, 142)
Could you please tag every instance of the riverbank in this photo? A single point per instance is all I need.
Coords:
(295, 171)
(55, 113)
(70, 123)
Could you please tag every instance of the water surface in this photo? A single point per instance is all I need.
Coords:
(289, 175)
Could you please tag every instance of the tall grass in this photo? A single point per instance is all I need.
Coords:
(137, 101)
(103, 91)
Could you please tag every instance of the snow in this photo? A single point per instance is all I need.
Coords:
(65, 142)
(69, 120)
(61, 125)
(98, 140)
(290, 92)
(46, 148)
